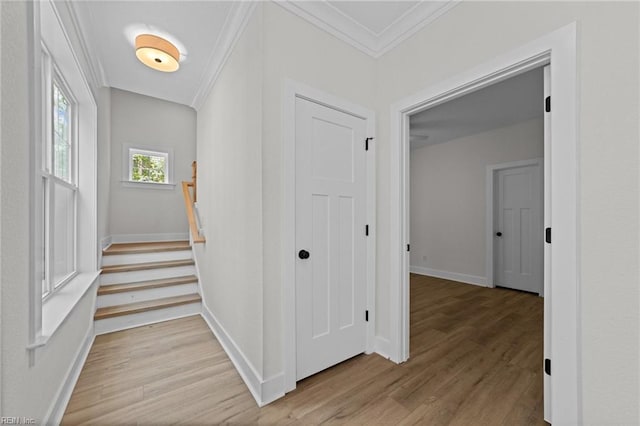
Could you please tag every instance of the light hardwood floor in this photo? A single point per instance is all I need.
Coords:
(476, 359)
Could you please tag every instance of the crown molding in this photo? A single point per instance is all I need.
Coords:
(91, 63)
(327, 17)
(411, 22)
(236, 21)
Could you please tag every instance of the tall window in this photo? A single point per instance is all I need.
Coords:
(60, 186)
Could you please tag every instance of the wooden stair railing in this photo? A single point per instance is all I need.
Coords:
(188, 203)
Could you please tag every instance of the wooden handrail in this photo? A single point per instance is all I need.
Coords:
(194, 175)
(188, 203)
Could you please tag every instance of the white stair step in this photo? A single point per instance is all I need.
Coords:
(145, 295)
(156, 256)
(109, 325)
(147, 274)
(146, 285)
(124, 248)
(109, 319)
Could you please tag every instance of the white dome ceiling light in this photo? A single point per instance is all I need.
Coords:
(157, 53)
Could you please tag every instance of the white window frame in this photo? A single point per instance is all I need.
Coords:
(128, 150)
(45, 27)
(51, 75)
(165, 155)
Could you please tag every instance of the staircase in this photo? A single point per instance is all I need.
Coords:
(145, 283)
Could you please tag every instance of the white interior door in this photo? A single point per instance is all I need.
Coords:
(519, 231)
(330, 237)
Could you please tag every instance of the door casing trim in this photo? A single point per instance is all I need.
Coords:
(559, 50)
(293, 90)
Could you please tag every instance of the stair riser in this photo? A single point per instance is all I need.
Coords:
(144, 295)
(124, 322)
(145, 275)
(126, 259)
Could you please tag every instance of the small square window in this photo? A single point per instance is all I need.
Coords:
(148, 166)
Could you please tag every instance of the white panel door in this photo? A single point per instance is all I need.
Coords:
(330, 227)
(519, 229)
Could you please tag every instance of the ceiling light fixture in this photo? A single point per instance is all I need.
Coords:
(157, 53)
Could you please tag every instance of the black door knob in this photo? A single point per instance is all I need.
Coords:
(499, 234)
(303, 254)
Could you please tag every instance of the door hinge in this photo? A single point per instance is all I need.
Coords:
(366, 316)
(547, 366)
(366, 143)
(547, 235)
(366, 230)
(408, 247)
(547, 104)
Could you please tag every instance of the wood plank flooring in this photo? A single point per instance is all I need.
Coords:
(476, 359)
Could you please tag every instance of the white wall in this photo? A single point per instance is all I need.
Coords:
(104, 160)
(297, 50)
(229, 129)
(608, 49)
(24, 390)
(154, 123)
(1, 203)
(448, 203)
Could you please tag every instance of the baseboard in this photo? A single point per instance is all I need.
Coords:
(263, 391)
(56, 411)
(106, 242)
(272, 389)
(453, 276)
(149, 238)
(382, 347)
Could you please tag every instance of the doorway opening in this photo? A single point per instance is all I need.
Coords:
(476, 227)
(561, 303)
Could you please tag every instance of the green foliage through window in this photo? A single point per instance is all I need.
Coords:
(148, 168)
(61, 134)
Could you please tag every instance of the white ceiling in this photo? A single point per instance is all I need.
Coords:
(205, 31)
(110, 28)
(503, 104)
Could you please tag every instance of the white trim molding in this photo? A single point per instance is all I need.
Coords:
(292, 91)
(263, 391)
(67, 10)
(382, 347)
(453, 276)
(329, 18)
(234, 25)
(562, 305)
(59, 404)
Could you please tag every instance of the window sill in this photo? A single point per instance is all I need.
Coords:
(147, 185)
(57, 308)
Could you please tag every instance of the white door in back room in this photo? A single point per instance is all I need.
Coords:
(330, 237)
(519, 229)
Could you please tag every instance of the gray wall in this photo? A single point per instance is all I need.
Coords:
(448, 203)
(147, 121)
